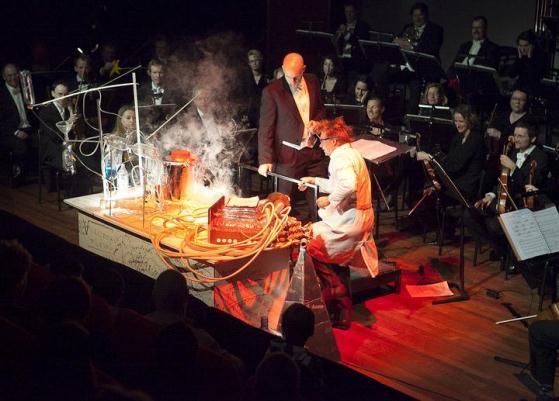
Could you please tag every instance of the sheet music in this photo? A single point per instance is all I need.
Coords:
(372, 150)
(524, 234)
(548, 221)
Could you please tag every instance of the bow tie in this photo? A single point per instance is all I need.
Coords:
(157, 95)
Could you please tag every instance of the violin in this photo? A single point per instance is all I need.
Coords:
(529, 200)
(503, 181)
(428, 167)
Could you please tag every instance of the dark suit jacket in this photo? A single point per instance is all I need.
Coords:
(9, 116)
(145, 95)
(519, 177)
(464, 162)
(430, 41)
(280, 120)
(488, 54)
(51, 143)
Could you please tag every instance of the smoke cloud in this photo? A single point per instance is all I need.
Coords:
(212, 68)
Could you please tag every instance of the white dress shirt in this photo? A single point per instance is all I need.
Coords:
(156, 90)
(474, 50)
(302, 100)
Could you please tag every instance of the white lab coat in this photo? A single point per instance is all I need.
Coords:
(344, 236)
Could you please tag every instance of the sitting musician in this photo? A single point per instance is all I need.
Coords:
(501, 128)
(155, 93)
(52, 142)
(83, 78)
(332, 85)
(478, 51)
(466, 155)
(376, 125)
(358, 96)
(343, 236)
(530, 65)
(484, 225)
(422, 36)
(346, 40)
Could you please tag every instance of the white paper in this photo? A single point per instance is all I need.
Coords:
(235, 201)
(548, 221)
(430, 290)
(371, 149)
(524, 234)
(292, 145)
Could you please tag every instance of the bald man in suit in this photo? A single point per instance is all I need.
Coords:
(287, 105)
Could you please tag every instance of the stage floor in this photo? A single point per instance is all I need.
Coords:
(430, 352)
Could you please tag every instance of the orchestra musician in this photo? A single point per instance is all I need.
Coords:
(346, 40)
(332, 85)
(484, 225)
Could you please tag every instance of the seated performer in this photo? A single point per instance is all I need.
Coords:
(343, 236)
(360, 91)
(332, 85)
(346, 40)
(484, 226)
(530, 65)
(502, 127)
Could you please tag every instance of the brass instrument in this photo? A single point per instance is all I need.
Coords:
(411, 35)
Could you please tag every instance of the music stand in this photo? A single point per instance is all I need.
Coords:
(428, 110)
(476, 78)
(388, 52)
(435, 131)
(400, 149)
(425, 65)
(353, 113)
(379, 36)
(448, 184)
(322, 42)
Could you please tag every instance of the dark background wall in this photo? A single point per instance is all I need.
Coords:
(268, 24)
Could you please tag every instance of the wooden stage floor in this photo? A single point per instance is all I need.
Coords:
(430, 352)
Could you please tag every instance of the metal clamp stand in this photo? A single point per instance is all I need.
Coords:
(445, 180)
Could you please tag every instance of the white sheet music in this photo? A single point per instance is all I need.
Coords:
(372, 150)
(524, 234)
(548, 220)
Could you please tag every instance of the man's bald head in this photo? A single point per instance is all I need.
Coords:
(293, 64)
(293, 68)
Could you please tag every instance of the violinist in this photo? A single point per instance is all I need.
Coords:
(484, 225)
(464, 161)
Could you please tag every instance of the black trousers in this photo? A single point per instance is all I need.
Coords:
(309, 163)
(544, 341)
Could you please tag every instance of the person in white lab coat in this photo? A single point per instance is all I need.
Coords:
(343, 236)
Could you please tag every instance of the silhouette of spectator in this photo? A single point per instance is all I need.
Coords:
(277, 379)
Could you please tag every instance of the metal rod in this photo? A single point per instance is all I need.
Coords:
(138, 135)
(380, 191)
(516, 319)
(131, 70)
(173, 116)
(77, 94)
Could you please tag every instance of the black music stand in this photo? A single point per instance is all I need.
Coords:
(429, 110)
(389, 52)
(475, 78)
(435, 131)
(447, 183)
(425, 65)
(353, 114)
(322, 42)
(379, 36)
